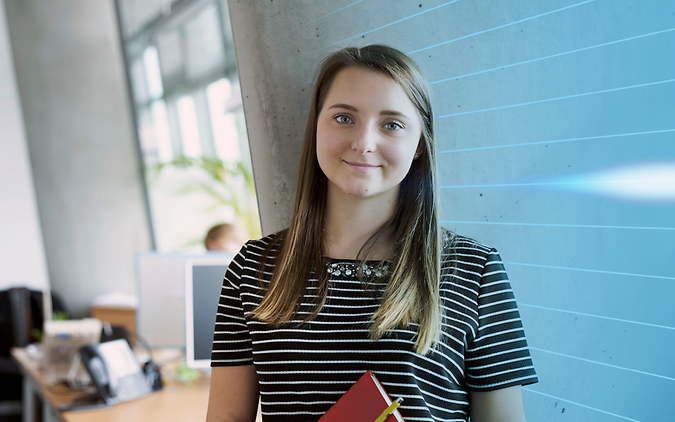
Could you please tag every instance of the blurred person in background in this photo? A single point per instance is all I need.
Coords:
(224, 238)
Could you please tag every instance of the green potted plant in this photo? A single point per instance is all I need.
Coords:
(229, 184)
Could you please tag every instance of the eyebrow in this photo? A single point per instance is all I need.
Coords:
(382, 113)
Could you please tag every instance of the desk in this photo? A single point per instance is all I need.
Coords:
(176, 402)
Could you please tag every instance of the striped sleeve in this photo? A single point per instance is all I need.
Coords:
(232, 344)
(498, 357)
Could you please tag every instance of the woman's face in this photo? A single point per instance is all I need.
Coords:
(368, 132)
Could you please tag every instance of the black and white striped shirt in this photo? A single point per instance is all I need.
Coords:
(304, 369)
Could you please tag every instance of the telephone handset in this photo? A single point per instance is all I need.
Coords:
(115, 372)
(92, 360)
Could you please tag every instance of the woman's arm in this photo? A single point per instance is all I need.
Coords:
(498, 406)
(233, 396)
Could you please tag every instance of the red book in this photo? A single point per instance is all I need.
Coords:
(363, 402)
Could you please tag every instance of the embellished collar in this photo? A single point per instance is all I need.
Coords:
(349, 268)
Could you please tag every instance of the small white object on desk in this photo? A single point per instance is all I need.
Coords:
(62, 341)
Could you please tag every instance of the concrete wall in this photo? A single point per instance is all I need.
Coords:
(536, 101)
(22, 257)
(80, 137)
(275, 71)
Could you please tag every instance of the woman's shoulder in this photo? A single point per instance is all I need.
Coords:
(260, 246)
(456, 242)
(466, 259)
(465, 253)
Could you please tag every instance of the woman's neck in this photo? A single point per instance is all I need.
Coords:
(351, 221)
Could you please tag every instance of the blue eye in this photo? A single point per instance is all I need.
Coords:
(393, 126)
(342, 119)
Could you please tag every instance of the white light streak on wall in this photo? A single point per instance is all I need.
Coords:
(650, 181)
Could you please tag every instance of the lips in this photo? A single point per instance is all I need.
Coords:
(362, 166)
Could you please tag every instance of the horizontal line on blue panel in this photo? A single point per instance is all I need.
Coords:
(602, 363)
(560, 98)
(596, 316)
(334, 11)
(499, 27)
(590, 271)
(555, 141)
(585, 226)
(578, 404)
(551, 56)
(580, 182)
(384, 26)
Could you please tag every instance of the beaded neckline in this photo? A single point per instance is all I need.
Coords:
(348, 268)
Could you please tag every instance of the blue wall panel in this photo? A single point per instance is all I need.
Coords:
(536, 100)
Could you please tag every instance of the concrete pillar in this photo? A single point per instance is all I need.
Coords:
(275, 80)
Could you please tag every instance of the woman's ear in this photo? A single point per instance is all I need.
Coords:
(418, 151)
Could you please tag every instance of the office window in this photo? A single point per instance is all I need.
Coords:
(161, 132)
(153, 76)
(185, 89)
(224, 122)
(189, 128)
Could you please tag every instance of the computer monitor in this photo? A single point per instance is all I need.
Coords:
(160, 317)
(203, 282)
(160, 281)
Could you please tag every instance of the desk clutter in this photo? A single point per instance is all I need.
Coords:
(116, 374)
(178, 400)
(70, 367)
(80, 353)
(61, 343)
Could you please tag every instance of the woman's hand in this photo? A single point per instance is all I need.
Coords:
(233, 396)
(498, 406)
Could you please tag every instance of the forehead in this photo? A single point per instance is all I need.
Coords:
(367, 88)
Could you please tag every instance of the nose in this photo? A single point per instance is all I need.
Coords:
(365, 140)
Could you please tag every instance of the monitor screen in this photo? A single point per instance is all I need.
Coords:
(203, 281)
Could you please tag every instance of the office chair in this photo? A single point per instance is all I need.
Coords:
(20, 312)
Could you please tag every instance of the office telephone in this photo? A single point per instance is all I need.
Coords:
(116, 374)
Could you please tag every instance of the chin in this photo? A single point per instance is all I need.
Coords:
(362, 193)
(359, 190)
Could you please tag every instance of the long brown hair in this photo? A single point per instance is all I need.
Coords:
(412, 294)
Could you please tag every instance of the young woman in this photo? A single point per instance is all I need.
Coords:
(364, 278)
